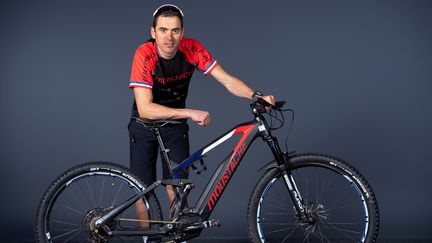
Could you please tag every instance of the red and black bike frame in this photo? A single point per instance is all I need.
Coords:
(212, 193)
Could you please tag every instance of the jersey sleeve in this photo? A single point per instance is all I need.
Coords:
(143, 66)
(199, 55)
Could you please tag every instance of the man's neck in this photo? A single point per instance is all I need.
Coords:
(164, 55)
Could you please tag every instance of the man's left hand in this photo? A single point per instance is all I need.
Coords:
(269, 98)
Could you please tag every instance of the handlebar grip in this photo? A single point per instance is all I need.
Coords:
(280, 104)
(277, 105)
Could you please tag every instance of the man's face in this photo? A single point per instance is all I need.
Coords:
(167, 33)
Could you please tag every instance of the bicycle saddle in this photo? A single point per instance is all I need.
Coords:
(155, 123)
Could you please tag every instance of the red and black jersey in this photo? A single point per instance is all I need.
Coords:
(169, 79)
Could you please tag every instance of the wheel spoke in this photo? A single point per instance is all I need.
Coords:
(92, 196)
(70, 238)
(290, 233)
(71, 209)
(83, 191)
(101, 191)
(344, 232)
(63, 222)
(116, 195)
(279, 230)
(67, 199)
(67, 233)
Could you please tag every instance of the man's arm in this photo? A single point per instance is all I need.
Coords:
(149, 110)
(236, 86)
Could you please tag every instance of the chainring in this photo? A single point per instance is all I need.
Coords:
(181, 231)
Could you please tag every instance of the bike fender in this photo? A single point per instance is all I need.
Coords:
(270, 165)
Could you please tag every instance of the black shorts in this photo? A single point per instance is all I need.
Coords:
(144, 149)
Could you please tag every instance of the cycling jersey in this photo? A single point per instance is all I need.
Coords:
(169, 79)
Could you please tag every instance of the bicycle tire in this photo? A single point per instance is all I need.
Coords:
(87, 191)
(336, 193)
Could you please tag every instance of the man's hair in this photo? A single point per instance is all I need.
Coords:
(167, 10)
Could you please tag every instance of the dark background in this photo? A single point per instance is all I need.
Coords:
(357, 73)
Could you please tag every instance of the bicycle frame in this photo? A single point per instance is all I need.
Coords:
(210, 196)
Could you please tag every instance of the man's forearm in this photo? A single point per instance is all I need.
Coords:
(233, 84)
(239, 88)
(155, 111)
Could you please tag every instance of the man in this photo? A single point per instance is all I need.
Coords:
(161, 72)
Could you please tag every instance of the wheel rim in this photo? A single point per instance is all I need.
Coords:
(74, 208)
(333, 200)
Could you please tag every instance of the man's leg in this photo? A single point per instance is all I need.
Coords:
(143, 156)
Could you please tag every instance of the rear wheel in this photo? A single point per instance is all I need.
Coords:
(336, 196)
(75, 200)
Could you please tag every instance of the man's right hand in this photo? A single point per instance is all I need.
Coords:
(200, 117)
(149, 110)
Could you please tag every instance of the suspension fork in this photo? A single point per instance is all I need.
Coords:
(284, 163)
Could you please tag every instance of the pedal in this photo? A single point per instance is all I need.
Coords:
(211, 223)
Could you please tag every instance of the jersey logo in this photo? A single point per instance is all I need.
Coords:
(165, 80)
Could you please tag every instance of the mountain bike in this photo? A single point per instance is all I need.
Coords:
(299, 197)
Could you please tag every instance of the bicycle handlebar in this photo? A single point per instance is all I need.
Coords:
(261, 105)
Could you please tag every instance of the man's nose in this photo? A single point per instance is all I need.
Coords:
(170, 35)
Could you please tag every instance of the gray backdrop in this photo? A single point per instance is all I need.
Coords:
(357, 73)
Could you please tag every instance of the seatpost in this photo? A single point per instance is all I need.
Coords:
(166, 158)
(162, 147)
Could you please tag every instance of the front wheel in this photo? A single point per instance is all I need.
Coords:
(335, 195)
(78, 198)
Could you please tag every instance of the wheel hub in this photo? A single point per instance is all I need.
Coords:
(318, 216)
(89, 224)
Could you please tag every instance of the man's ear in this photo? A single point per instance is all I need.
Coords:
(153, 32)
